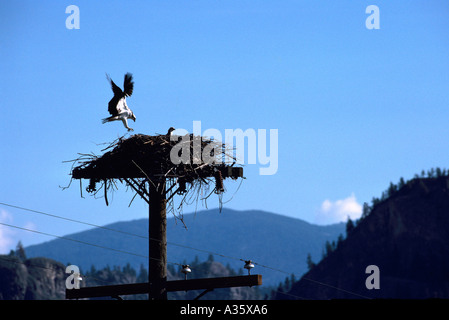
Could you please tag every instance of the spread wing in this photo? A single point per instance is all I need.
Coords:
(118, 94)
(118, 103)
(128, 84)
(117, 91)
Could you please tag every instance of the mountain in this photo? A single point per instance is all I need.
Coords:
(44, 279)
(405, 235)
(269, 239)
(31, 279)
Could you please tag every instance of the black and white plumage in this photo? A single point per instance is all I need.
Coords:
(170, 131)
(117, 107)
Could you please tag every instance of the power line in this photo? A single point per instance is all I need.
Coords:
(73, 220)
(136, 235)
(86, 243)
(119, 231)
(145, 237)
(337, 288)
(18, 261)
(311, 280)
(74, 240)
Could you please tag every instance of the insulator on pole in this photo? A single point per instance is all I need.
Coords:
(249, 265)
(219, 188)
(182, 186)
(185, 269)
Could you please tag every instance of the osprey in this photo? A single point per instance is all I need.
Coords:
(117, 106)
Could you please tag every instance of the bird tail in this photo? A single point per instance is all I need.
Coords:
(105, 120)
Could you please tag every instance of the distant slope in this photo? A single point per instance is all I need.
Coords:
(31, 279)
(406, 236)
(269, 239)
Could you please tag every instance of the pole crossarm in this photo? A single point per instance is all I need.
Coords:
(214, 283)
(174, 285)
(136, 173)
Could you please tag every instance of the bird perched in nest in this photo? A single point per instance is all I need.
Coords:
(117, 107)
(170, 131)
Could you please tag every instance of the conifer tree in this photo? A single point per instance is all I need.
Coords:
(349, 226)
(20, 251)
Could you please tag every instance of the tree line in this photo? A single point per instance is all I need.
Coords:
(392, 190)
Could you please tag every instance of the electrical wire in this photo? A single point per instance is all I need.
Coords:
(4, 258)
(118, 231)
(73, 220)
(148, 238)
(86, 243)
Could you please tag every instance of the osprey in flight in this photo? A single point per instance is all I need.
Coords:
(117, 106)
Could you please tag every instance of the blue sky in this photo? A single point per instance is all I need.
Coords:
(354, 108)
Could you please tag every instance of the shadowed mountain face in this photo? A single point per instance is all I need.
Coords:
(406, 237)
(31, 279)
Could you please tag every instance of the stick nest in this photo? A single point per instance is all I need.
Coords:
(142, 161)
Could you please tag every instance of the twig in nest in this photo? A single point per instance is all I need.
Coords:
(106, 192)
(144, 173)
(135, 194)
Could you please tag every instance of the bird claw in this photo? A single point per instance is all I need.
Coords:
(130, 129)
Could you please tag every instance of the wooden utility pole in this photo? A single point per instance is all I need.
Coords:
(143, 161)
(157, 242)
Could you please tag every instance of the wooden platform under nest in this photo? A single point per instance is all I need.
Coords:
(144, 159)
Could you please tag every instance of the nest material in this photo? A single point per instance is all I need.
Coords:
(144, 156)
(141, 160)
